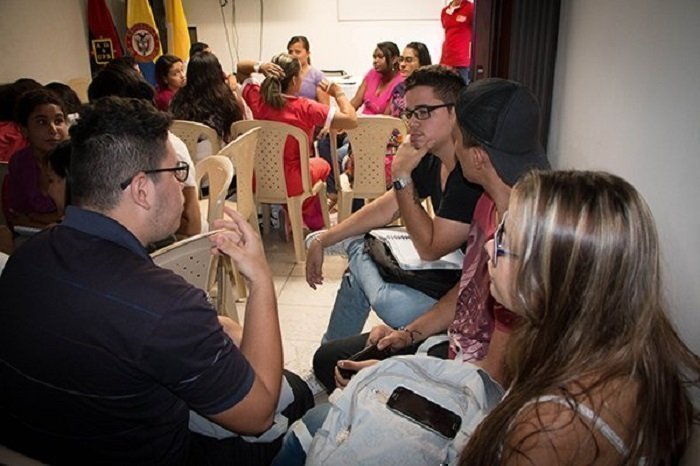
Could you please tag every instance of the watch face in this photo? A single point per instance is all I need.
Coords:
(399, 184)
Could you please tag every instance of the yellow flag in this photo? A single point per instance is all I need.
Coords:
(178, 35)
(142, 38)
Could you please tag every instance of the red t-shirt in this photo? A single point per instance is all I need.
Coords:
(303, 113)
(456, 49)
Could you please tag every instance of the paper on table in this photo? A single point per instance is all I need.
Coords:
(406, 255)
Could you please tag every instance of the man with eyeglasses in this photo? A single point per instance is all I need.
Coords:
(424, 166)
(497, 140)
(103, 354)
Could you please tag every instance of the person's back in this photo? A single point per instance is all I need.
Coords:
(105, 348)
(103, 353)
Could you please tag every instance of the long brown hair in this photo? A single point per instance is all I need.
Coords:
(588, 285)
(272, 88)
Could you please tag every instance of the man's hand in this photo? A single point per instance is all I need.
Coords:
(314, 264)
(240, 242)
(408, 156)
(385, 336)
(340, 381)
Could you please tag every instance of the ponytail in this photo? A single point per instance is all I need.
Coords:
(272, 88)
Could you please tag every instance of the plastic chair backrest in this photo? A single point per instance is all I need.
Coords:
(271, 186)
(369, 141)
(190, 258)
(241, 151)
(218, 169)
(192, 132)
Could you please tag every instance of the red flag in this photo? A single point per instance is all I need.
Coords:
(104, 40)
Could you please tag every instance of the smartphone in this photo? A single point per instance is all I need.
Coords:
(370, 352)
(425, 412)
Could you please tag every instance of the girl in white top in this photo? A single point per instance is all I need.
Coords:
(598, 374)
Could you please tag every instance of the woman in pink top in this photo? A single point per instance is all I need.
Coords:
(375, 91)
(274, 100)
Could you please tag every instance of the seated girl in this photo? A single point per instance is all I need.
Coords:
(599, 374)
(206, 98)
(170, 78)
(274, 100)
(42, 120)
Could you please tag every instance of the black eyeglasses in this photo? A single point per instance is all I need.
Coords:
(181, 172)
(498, 249)
(421, 112)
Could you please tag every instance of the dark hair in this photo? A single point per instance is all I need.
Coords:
(70, 99)
(163, 65)
(126, 61)
(391, 54)
(114, 139)
(206, 98)
(272, 88)
(31, 100)
(120, 81)
(10, 92)
(304, 43)
(59, 161)
(445, 81)
(422, 51)
(198, 47)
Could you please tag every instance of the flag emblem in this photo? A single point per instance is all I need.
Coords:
(143, 43)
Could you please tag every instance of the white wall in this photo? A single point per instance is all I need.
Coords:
(334, 44)
(627, 100)
(48, 39)
(43, 39)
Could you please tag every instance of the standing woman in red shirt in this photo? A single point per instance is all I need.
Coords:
(457, 19)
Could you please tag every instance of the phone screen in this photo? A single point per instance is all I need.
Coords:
(425, 412)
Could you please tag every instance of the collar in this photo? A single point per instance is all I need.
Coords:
(96, 224)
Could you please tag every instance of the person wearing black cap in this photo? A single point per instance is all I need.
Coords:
(497, 141)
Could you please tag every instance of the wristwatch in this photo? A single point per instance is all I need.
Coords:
(400, 183)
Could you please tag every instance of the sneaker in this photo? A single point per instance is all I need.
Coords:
(338, 249)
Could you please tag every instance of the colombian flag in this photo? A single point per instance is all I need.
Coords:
(178, 36)
(104, 41)
(142, 38)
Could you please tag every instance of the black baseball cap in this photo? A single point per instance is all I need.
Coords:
(504, 117)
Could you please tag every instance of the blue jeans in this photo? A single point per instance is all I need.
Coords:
(296, 442)
(363, 288)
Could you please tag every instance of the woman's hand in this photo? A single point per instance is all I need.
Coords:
(269, 69)
(356, 366)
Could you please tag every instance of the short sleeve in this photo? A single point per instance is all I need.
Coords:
(459, 198)
(425, 176)
(189, 353)
(183, 155)
(312, 112)
(253, 97)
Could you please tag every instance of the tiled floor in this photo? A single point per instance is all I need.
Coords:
(303, 312)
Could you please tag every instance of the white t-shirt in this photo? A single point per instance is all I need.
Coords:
(183, 155)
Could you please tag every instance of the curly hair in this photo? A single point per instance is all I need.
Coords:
(206, 98)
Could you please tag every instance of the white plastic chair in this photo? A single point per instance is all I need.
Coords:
(218, 170)
(241, 151)
(191, 258)
(368, 142)
(192, 133)
(271, 185)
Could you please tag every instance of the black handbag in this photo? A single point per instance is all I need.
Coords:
(434, 282)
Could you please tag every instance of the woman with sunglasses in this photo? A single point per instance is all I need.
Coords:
(598, 373)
